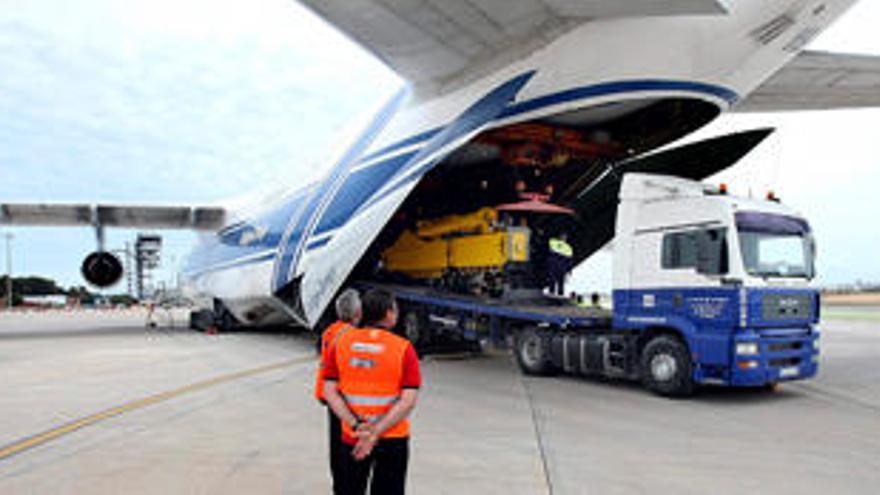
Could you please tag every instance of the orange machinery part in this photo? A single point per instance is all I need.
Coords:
(524, 144)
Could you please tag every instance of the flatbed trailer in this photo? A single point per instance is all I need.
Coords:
(545, 310)
(548, 334)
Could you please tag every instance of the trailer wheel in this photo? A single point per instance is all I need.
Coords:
(666, 367)
(532, 352)
(415, 329)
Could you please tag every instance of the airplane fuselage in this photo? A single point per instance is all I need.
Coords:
(651, 80)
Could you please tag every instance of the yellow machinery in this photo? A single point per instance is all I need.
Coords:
(472, 243)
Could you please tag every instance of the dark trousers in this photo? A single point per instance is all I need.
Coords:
(387, 462)
(337, 449)
(557, 269)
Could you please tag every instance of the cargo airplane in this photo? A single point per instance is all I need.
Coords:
(500, 96)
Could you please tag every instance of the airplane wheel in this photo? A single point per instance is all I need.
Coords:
(201, 320)
(226, 321)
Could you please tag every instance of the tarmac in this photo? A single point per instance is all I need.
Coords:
(92, 402)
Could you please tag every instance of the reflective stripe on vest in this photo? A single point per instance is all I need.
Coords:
(371, 400)
(370, 363)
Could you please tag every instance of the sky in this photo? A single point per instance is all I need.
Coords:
(198, 101)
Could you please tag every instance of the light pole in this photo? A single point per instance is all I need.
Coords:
(8, 236)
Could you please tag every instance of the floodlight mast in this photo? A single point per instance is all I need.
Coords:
(146, 258)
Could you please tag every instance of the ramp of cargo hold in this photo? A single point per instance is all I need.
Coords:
(596, 202)
(547, 310)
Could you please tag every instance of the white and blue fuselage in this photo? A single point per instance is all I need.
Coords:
(286, 262)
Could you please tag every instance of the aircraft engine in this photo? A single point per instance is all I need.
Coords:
(101, 269)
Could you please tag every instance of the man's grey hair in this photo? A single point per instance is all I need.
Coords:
(348, 305)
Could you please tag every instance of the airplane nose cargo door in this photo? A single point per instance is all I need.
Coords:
(331, 255)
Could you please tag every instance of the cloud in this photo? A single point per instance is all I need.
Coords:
(190, 107)
(167, 102)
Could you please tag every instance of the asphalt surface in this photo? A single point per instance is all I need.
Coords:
(98, 404)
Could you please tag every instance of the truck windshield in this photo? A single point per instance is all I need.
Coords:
(775, 245)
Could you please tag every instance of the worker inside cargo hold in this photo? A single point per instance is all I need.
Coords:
(559, 262)
(538, 254)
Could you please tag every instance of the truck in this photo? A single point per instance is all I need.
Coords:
(708, 289)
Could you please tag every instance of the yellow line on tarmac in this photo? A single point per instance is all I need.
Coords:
(48, 435)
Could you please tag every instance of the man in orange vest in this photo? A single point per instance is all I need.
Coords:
(348, 310)
(372, 381)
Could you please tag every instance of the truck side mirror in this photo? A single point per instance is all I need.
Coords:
(811, 265)
(712, 256)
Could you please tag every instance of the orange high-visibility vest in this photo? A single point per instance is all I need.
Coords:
(370, 363)
(328, 338)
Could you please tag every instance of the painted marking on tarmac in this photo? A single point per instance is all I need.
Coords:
(30, 442)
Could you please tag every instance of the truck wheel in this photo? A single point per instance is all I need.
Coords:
(415, 329)
(532, 352)
(666, 367)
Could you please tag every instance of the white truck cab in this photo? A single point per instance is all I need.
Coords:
(674, 232)
(725, 278)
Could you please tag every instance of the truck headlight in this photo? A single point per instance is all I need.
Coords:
(747, 348)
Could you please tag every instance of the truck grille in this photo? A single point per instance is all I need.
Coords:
(784, 346)
(780, 363)
(786, 306)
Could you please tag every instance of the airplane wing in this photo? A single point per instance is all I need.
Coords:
(435, 40)
(134, 216)
(819, 81)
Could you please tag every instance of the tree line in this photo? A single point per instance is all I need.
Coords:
(41, 286)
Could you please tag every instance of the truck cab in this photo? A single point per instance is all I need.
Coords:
(716, 286)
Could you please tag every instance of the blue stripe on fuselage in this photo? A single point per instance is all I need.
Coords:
(264, 232)
(620, 87)
(318, 243)
(478, 115)
(357, 188)
(418, 138)
(291, 246)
